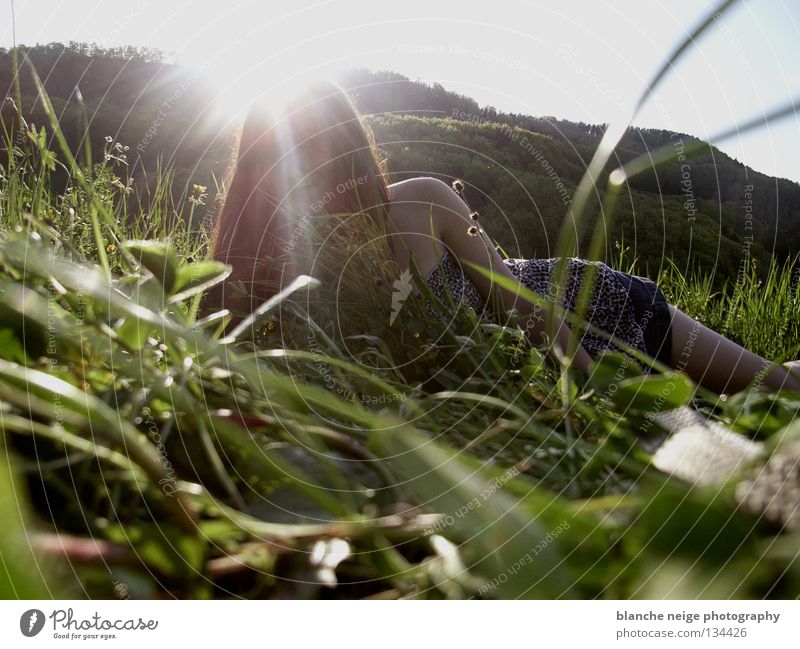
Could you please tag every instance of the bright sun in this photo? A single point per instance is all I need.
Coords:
(235, 89)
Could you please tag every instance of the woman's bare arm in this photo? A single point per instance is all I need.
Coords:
(451, 217)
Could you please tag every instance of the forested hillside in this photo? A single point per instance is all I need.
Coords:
(703, 212)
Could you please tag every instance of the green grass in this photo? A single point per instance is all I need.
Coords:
(309, 455)
(762, 315)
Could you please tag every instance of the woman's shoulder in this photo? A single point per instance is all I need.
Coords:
(419, 188)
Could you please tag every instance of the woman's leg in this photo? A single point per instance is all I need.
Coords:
(720, 364)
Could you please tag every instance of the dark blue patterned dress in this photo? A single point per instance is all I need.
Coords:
(630, 308)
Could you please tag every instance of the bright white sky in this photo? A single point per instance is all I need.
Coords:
(579, 60)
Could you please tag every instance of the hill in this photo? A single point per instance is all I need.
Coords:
(705, 212)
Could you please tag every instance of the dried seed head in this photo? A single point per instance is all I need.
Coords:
(458, 186)
(474, 216)
(472, 231)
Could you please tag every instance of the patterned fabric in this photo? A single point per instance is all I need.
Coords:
(610, 308)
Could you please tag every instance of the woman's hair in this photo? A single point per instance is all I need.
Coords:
(315, 158)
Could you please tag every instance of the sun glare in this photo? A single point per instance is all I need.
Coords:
(235, 91)
(234, 94)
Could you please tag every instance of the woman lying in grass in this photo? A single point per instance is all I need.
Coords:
(318, 158)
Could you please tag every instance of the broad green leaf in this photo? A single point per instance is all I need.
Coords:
(611, 368)
(198, 277)
(653, 393)
(10, 347)
(17, 579)
(159, 258)
(133, 332)
(760, 413)
(39, 322)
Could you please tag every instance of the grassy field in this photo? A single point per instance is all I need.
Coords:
(147, 455)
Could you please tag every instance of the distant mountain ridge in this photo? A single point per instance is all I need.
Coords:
(694, 202)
